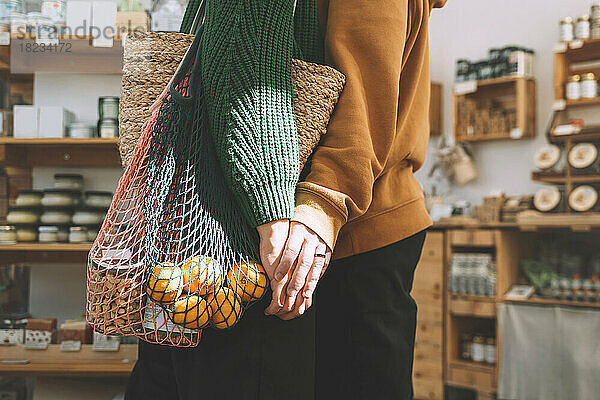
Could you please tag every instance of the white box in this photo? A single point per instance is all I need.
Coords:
(79, 17)
(53, 121)
(104, 23)
(26, 122)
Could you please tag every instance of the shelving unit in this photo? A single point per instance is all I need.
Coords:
(519, 91)
(16, 360)
(44, 253)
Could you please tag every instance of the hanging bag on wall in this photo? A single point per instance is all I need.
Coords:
(175, 254)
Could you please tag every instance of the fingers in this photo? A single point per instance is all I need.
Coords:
(300, 306)
(327, 261)
(278, 288)
(315, 272)
(303, 266)
(290, 252)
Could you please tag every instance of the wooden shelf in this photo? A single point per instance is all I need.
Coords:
(580, 222)
(483, 137)
(44, 253)
(577, 137)
(59, 152)
(583, 102)
(472, 306)
(561, 179)
(554, 302)
(588, 52)
(477, 376)
(53, 362)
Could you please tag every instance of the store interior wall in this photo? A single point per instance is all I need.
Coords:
(467, 29)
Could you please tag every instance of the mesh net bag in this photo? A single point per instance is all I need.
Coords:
(175, 255)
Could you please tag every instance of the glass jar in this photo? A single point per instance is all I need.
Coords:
(582, 27)
(26, 233)
(490, 350)
(25, 216)
(98, 199)
(574, 87)
(466, 340)
(60, 198)
(68, 181)
(56, 217)
(80, 130)
(589, 86)
(8, 234)
(108, 128)
(88, 217)
(29, 198)
(477, 349)
(48, 234)
(583, 198)
(567, 30)
(78, 234)
(55, 10)
(108, 107)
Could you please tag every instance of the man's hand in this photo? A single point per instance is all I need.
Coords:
(302, 263)
(273, 237)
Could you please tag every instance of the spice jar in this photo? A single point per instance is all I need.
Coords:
(108, 128)
(477, 349)
(583, 198)
(8, 234)
(582, 27)
(98, 199)
(26, 233)
(68, 181)
(567, 30)
(584, 158)
(19, 215)
(108, 107)
(78, 234)
(466, 340)
(490, 350)
(574, 87)
(589, 86)
(549, 157)
(88, 217)
(29, 198)
(48, 234)
(60, 198)
(80, 130)
(56, 217)
(548, 199)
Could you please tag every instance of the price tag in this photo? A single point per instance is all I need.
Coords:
(559, 105)
(35, 345)
(105, 343)
(4, 38)
(560, 47)
(516, 133)
(70, 345)
(576, 44)
(465, 87)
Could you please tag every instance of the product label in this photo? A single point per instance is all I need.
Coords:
(105, 343)
(36, 345)
(156, 319)
(465, 87)
(70, 345)
(4, 38)
(576, 44)
(559, 105)
(516, 133)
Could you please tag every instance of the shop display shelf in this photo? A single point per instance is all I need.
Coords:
(44, 253)
(560, 179)
(533, 220)
(591, 134)
(554, 302)
(580, 51)
(16, 360)
(471, 375)
(472, 306)
(59, 152)
(582, 102)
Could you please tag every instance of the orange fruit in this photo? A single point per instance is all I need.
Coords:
(201, 275)
(248, 280)
(226, 308)
(165, 283)
(192, 312)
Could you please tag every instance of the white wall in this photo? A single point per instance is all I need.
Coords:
(467, 29)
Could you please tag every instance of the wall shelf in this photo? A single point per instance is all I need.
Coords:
(560, 179)
(554, 302)
(53, 362)
(59, 152)
(472, 306)
(44, 253)
(576, 137)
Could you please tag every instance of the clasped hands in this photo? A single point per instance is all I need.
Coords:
(287, 251)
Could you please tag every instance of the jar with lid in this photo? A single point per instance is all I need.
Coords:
(8, 234)
(48, 234)
(98, 199)
(26, 233)
(490, 350)
(58, 216)
(582, 27)
(80, 130)
(78, 234)
(478, 349)
(108, 107)
(549, 157)
(68, 181)
(23, 215)
(466, 340)
(54, 10)
(574, 87)
(583, 157)
(567, 29)
(462, 70)
(583, 198)
(29, 198)
(87, 216)
(549, 199)
(60, 198)
(108, 128)
(595, 10)
(589, 86)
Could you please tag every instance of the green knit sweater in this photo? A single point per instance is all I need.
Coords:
(247, 48)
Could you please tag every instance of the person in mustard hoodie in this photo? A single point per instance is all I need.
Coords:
(340, 323)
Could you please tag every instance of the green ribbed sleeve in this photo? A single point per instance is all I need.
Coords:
(247, 79)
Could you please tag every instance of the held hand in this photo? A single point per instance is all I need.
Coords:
(302, 264)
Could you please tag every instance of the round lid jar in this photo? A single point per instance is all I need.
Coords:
(80, 130)
(583, 198)
(60, 198)
(98, 199)
(56, 217)
(582, 155)
(88, 217)
(108, 107)
(68, 181)
(78, 234)
(547, 199)
(48, 234)
(29, 198)
(108, 128)
(8, 234)
(547, 156)
(25, 216)
(574, 87)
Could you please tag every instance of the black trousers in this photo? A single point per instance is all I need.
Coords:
(356, 342)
